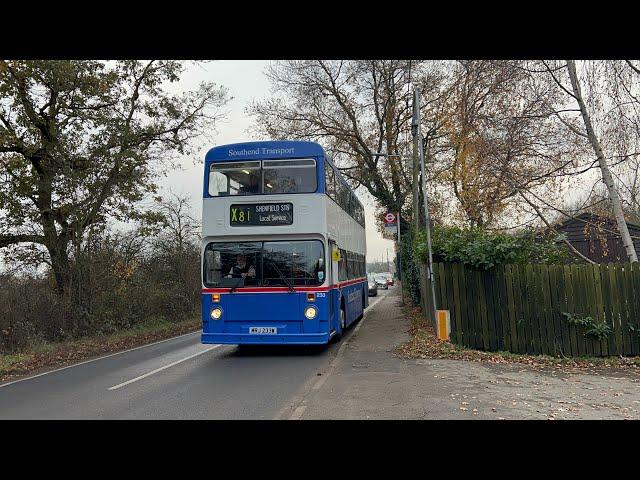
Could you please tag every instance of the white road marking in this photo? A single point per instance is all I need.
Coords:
(120, 385)
(96, 359)
(297, 414)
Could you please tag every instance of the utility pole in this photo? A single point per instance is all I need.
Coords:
(417, 136)
(415, 175)
(399, 266)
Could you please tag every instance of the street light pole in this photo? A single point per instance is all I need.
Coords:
(417, 134)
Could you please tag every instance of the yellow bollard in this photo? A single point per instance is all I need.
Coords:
(444, 324)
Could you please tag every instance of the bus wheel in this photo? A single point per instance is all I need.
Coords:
(336, 338)
(343, 320)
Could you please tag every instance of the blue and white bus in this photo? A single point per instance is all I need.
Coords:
(283, 246)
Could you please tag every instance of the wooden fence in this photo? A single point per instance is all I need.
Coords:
(570, 310)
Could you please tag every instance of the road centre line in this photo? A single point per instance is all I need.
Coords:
(98, 358)
(120, 385)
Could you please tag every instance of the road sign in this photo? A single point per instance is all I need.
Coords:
(390, 222)
(389, 219)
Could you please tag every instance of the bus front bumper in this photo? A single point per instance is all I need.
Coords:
(250, 339)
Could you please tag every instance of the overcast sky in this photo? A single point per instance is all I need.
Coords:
(246, 82)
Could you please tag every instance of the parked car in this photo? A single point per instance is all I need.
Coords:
(381, 281)
(373, 286)
(389, 278)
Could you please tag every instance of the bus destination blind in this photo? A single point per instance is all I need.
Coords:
(261, 214)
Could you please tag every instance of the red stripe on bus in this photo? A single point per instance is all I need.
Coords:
(265, 289)
(283, 289)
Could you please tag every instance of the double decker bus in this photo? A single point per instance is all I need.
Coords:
(283, 246)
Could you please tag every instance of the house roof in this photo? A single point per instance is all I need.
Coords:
(587, 216)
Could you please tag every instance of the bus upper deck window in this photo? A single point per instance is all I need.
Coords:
(330, 185)
(289, 176)
(234, 178)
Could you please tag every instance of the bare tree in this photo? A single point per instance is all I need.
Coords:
(180, 228)
(355, 109)
(608, 113)
(491, 129)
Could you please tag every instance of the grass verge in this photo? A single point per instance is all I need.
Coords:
(424, 344)
(47, 356)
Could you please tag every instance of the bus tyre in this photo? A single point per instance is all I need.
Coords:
(339, 334)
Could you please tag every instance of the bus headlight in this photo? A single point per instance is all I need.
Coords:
(310, 313)
(216, 313)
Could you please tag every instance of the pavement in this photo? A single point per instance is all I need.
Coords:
(367, 381)
(357, 378)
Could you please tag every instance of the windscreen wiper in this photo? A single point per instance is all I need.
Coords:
(236, 285)
(291, 289)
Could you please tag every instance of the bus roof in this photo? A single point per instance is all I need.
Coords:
(264, 150)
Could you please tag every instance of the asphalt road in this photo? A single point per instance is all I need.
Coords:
(177, 378)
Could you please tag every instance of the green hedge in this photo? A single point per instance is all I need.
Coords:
(484, 250)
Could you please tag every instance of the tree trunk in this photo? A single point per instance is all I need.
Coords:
(604, 167)
(61, 268)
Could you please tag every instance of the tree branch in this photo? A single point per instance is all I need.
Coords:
(6, 240)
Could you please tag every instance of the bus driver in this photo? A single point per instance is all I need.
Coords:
(241, 269)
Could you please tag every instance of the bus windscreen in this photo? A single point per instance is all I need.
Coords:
(269, 264)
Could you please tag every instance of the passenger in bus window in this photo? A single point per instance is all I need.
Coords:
(250, 185)
(242, 269)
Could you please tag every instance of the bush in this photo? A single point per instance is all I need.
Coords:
(31, 312)
(483, 249)
(119, 281)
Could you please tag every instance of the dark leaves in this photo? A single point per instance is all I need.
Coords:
(484, 249)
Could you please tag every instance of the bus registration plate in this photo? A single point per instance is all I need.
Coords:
(263, 330)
